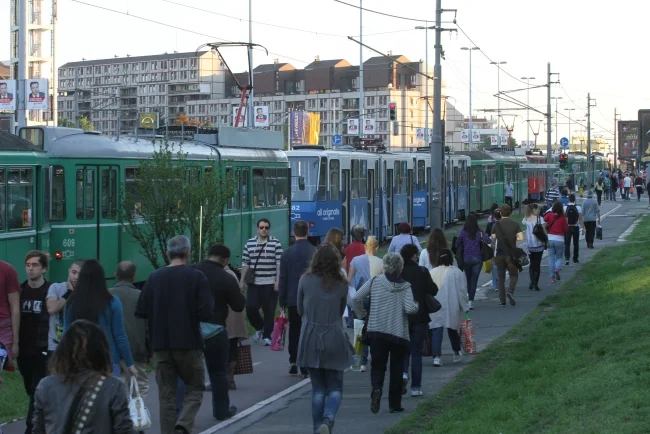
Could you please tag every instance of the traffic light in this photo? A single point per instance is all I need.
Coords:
(564, 161)
(392, 111)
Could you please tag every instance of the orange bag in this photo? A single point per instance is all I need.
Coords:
(467, 338)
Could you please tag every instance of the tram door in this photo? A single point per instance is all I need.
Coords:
(98, 235)
(345, 200)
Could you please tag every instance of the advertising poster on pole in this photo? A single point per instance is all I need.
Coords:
(36, 94)
(261, 116)
(7, 94)
(419, 134)
(369, 126)
(242, 118)
(494, 141)
(504, 140)
(353, 127)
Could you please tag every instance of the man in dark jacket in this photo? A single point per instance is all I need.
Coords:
(225, 291)
(421, 284)
(175, 300)
(293, 264)
(136, 329)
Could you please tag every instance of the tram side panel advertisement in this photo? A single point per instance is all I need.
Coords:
(628, 139)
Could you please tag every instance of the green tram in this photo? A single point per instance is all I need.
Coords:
(577, 168)
(76, 185)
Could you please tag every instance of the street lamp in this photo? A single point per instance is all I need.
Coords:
(498, 64)
(426, 80)
(471, 134)
(556, 98)
(527, 107)
(570, 137)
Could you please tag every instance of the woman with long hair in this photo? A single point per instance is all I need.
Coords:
(600, 187)
(81, 396)
(452, 295)
(335, 237)
(557, 226)
(92, 301)
(435, 243)
(535, 245)
(324, 348)
(469, 239)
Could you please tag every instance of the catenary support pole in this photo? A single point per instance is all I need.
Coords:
(437, 147)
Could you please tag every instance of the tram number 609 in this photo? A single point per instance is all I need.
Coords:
(68, 242)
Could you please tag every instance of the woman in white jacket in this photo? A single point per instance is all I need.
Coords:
(452, 295)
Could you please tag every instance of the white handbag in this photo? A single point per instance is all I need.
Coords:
(138, 411)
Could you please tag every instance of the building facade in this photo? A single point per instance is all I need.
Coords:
(198, 86)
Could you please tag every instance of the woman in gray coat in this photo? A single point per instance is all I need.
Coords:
(324, 349)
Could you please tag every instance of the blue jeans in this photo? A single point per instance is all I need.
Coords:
(555, 256)
(117, 372)
(417, 334)
(495, 275)
(436, 340)
(472, 269)
(326, 394)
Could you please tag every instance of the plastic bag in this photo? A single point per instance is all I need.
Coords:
(487, 266)
(467, 338)
(599, 232)
(137, 410)
(279, 332)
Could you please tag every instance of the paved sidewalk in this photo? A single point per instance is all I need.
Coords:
(292, 413)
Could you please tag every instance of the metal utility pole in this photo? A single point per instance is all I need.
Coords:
(570, 136)
(437, 146)
(426, 80)
(251, 103)
(527, 105)
(471, 126)
(556, 98)
(590, 166)
(498, 64)
(21, 88)
(549, 128)
(361, 96)
(76, 97)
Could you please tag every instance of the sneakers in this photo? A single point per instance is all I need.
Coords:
(575, 261)
(458, 357)
(437, 362)
(232, 410)
(502, 304)
(293, 370)
(304, 372)
(375, 401)
(405, 382)
(363, 368)
(566, 262)
(326, 426)
(511, 298)
(416, 393)
(557, 274)
(471, 305)
(257, 336)
(267, 342)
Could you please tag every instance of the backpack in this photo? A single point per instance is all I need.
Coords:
(572, 214)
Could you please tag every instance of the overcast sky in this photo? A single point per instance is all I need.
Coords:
(594, 47)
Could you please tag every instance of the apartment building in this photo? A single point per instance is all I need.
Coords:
(111, 92)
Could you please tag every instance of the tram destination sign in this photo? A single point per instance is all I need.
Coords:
(539, 166)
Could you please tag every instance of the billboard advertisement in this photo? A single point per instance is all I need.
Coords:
(304, 128)
(628, 139)
(261, 116)
(36, 94)
(7, 94)
(368, 126)
(644, 133)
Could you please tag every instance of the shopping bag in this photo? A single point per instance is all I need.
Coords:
(279, 332)
(599, 232)
(137, 410)
(487, 266)
(467, 339)
(244, 360)
(427, 350)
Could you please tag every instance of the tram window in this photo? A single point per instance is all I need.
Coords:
(109, 193)
(19, 199)
(279, 186)
(322, 180)
(259, 191)
(271, 187)
(233, 203)
(85, 194)
(389, 183)
(363, 179)
(377, 178)
(47, 198)
(304, 178)
(34, 135)
(421, 175)
(243, 188)
(3, 186)
(396, 178)
(58, 194)
(404, 185)
(131, 189)
(354, 181)
(335, 180)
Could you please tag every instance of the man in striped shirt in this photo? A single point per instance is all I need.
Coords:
(552, 194)
(261, 258)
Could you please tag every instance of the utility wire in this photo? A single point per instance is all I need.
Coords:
(177, 28)
(419, 20)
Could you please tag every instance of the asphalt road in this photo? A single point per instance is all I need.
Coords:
(271, 401)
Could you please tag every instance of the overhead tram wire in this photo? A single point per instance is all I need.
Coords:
(582, 108)
(178, 28)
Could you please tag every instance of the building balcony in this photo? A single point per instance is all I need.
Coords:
(184, 91)
(350, 107)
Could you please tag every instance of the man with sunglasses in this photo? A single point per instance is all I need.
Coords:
(261, 260)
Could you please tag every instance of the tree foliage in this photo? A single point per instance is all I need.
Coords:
(84, 123)
(165, 200)
(182, 119)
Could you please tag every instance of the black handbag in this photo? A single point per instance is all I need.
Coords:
(539, 232)
(599, 232)
(433, 305)
(487, 252)
(250, 276)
